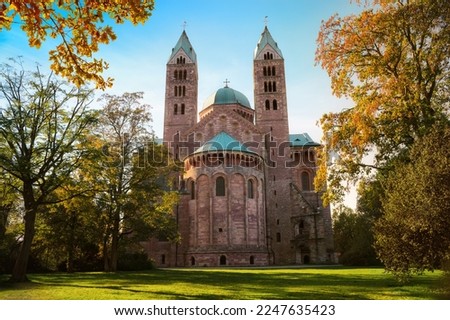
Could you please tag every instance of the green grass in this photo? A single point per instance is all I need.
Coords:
(232, 283)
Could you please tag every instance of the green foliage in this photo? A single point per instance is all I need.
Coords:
(353, 237)
(43, 124)
(134, 261)
(133, 200)
(413, 235)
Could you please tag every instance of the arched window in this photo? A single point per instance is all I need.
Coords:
(267, 105)
(264, 71)
(269, 71)
(252, 260)
(192, 190)
(175, 109)
(175, 91)
(184, 91)
(175, 74)
(306, 259)
(265, 86)
(185, 75)
(275, 104)
(250, 193)
(270, 86)
(223, 260)
(192, 261)
(182, 108)
(274, 86)
(278, 237)
(273, 70)
(220, 187)
(306, 186)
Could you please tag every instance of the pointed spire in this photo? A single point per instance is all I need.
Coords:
(266, 40)
(185, 45)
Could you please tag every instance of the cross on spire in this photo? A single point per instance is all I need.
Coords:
(184, 25)
(226, 83)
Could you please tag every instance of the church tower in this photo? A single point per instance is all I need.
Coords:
(181, 92)
(272, 120)
(270, 88)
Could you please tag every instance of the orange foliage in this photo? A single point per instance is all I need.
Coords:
(79, 25)
(391, 60)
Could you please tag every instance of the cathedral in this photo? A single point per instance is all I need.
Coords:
(247, 196)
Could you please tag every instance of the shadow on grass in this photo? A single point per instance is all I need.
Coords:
(301, 284)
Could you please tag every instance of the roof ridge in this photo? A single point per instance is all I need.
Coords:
(266, 39)
(184, 44)
(223, 141)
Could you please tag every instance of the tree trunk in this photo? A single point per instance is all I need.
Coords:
(115, 241)
(19, 272)
(71, 244)
(4, 213)
(105, 250)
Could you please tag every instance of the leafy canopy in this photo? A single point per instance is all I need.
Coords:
(81, 27)
(412, 236)
(392, 61)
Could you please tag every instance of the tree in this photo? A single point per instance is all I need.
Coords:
(413, 234)
(133, 196)
(81, 27)
(42, 125)
(392, 61)
(67, 236)
(353, 237)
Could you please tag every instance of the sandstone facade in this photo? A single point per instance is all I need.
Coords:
(247, 196)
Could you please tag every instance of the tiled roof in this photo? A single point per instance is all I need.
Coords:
(302, 140)
(185, 44)
(226, 95)
(222, 142)
(266, 39)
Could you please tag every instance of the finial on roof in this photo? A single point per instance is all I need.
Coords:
(226, 83)
(184, 25)
(266, 20)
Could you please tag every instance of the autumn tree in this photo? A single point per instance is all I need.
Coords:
(413, 234)
(392, 61)
(43, 121)
(81, 26)
(132, 174)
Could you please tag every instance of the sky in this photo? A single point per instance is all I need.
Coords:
(224, 35)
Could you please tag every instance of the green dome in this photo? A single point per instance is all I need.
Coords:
(227, 95)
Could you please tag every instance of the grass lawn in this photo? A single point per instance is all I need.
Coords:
(232, 283)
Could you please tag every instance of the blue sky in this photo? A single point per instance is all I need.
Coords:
(224, 35)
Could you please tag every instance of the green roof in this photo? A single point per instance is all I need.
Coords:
(265, 40)
(222, 142)
(302, 140)
(227, 95)
(185, 45)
